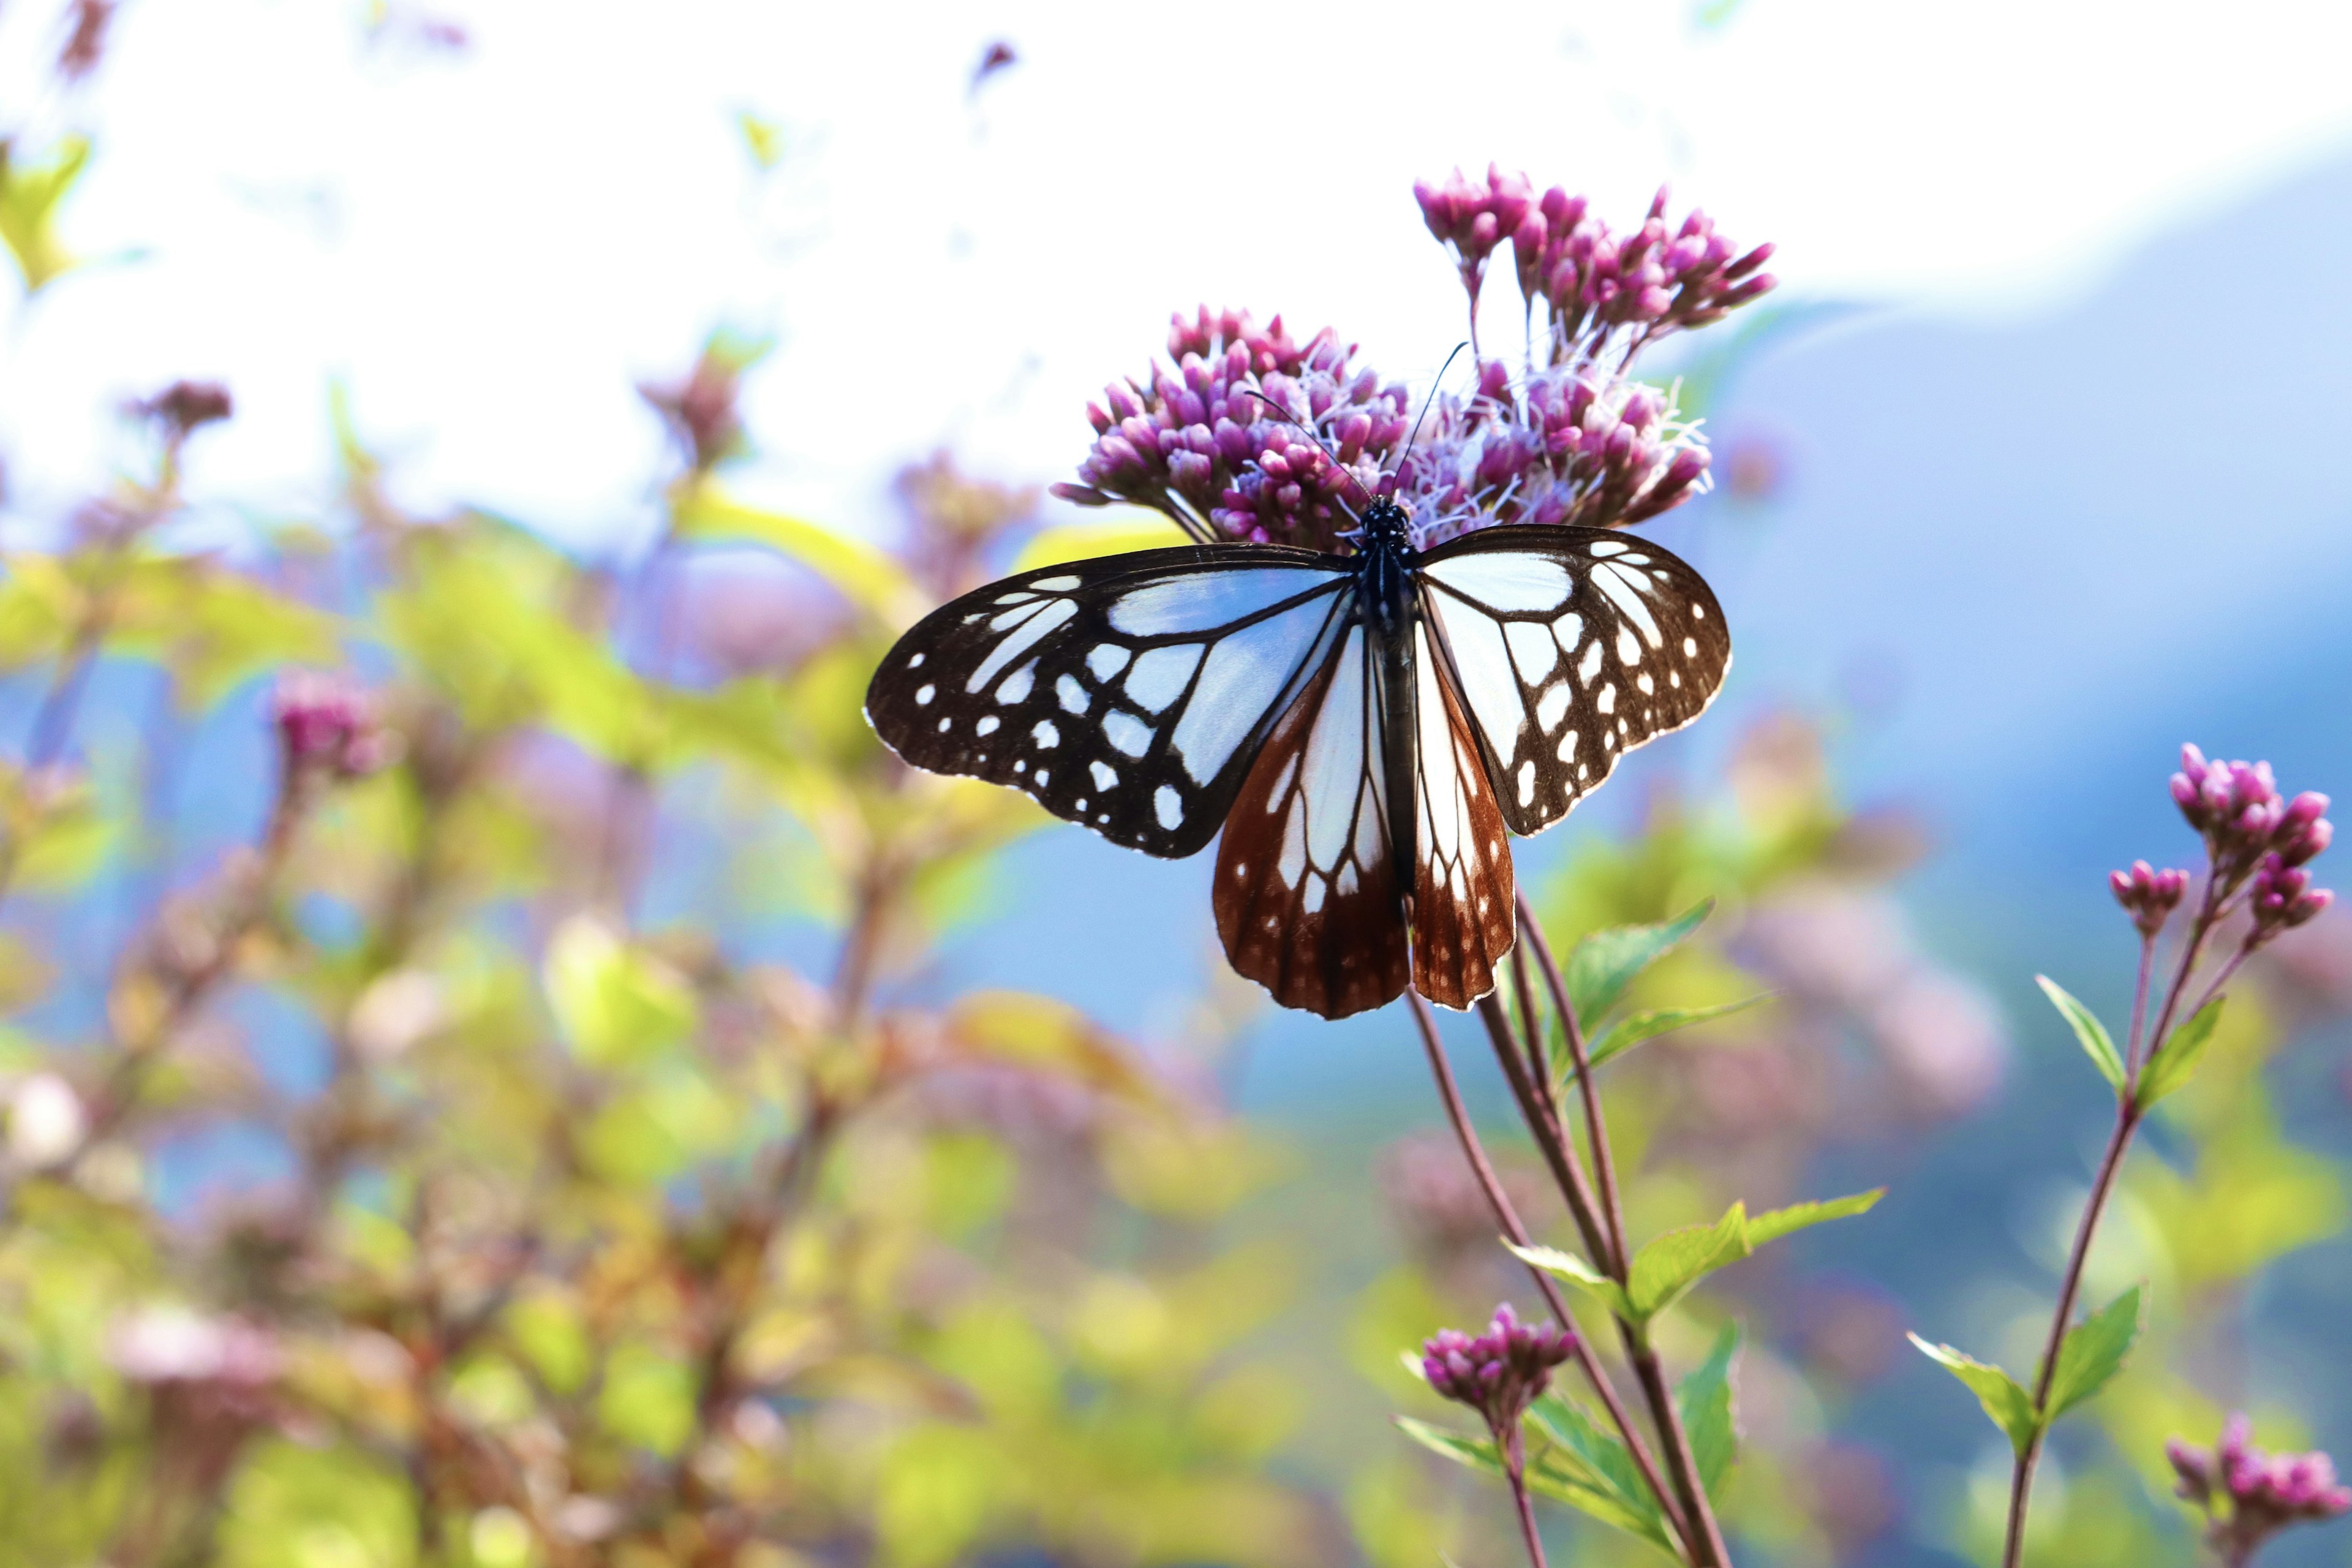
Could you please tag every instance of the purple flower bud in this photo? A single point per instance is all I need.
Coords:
(1499, 1372)
(2248, 1496)
(325, 724)
(2147, 895)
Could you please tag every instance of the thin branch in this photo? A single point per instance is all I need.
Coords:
(1509, 1218)
(1596, 1130)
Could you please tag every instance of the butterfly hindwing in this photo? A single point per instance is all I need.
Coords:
(1128, 694)
(1572, 645)
(1306, 895)
(1464, 905)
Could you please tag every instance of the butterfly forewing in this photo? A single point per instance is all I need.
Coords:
(1129, 694)
(1463, 907)
(1307, 897)
(1572, 645)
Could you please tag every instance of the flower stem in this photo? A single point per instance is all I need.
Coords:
(1507, 1218)
(2128, 1112)
(1515, 1470)
(1596, 1130)
(1604, 1226)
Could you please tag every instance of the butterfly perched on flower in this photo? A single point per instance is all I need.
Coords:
(1364, 727)
(1365, 673)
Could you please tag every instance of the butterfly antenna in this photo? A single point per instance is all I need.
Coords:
(1425, 402)
(1283, 413)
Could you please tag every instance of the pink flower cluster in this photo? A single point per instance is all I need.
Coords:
(2257, 838)
(2147, 895)
(1250, 435)
(327, 724)
(1499, 1372)
(1594, 284)
(1226, 441)
(1565, 446)
(2248, 1496)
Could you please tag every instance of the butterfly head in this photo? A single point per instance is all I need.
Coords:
(1384, 524)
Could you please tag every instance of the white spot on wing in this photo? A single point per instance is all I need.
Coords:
(1244, 673)
(1488, 683)
(1054, 584)
(1568, 748)
(1076, 698)
(1566, 630)
(1048, 737)
(916, 662)
(1532, 649)
(923, 697)
(1608, 704)
(1629, 648)
(1107, 659)
(1160, 674)
(1590, 664)
(1014, 616)
(1106, 776)
(1506, 580)
(1552, 706)
(988, 724)
(1204, 601)
(1169, 806)
(1015, 685)
(1609, 548)
(1127, 733)
(1526, 783)
(1021, 640)
(1620, 587)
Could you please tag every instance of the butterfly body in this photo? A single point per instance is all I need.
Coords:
(1366, 729)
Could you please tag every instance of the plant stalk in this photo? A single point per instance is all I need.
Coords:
(1507, 1218)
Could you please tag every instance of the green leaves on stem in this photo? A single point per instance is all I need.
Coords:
(2171, 1061)
(2093, 1351)
(1607, 962)
(1669, 1266)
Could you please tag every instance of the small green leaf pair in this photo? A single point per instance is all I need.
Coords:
(1575, 1459)
(1604, 963)
(1668, 1266)
(2091, 1354)
(2166, 1070)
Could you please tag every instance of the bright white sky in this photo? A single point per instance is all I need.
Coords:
(493, 247)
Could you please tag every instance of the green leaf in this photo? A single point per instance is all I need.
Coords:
(1606, 962)
(2096, 1044)
(2175, 1059)
(862, 575)
(614, 1005)
(1668, 1266)
(2003, 1398)
(1578, 1272)
(1576, 1460)
(29, 197)
(2094, 1351)
(1704, 1396)
(1628, 1032)
(1775, 1224)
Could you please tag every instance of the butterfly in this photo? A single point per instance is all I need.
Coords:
(1363, 727)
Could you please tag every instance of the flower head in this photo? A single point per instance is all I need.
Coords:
(2248, 1496)
(701, 409)
(2147, 895)
(1254, 436)
(1251, 436)
(1499, 1372)
(327, 724)
(2258, 841)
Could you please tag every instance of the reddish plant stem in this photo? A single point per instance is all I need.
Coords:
(1507, 1218)
(2129, 1114)
(1537, 1109)
(1596, 1130)
(1705, 1541)
(1514, 1470)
